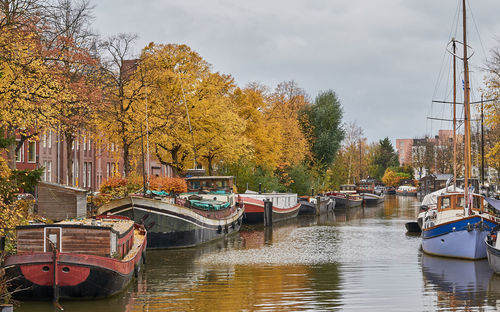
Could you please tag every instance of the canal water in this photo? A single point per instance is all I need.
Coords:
(349, 260)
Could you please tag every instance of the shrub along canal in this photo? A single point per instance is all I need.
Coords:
(351, 260)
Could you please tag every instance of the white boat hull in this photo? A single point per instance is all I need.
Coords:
(459, 244)
(493, 257)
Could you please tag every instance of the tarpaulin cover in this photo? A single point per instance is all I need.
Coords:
(495, 203)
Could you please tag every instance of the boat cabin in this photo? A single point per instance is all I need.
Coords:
(457, 201)
(348, 188)
(107, 237)
(365, 187)
(223, 184)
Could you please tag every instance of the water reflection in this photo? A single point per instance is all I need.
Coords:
(356, 259)
(459, 284)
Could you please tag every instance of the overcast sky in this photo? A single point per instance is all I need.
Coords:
(382, 57)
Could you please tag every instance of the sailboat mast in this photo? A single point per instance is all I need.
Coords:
(466, 114)
(454, 114)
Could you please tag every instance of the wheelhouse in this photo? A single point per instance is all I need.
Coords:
(456, 201)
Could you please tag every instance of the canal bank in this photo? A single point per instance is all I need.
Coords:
(357, 259)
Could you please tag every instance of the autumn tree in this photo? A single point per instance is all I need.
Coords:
(390, 178)
(192, 115)
(125, 92)
(355, 151)
(263, 141)
(216, 124)
(285, 104)
(74, 61)
(492, 108)
(28, 88)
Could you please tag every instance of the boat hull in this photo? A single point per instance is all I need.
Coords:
(343, 202)
(406, 193)
(174, 226)
(79, 275)
(254, 211)
(493, 255)
(372, 199)
(457, 239)
(308, 208)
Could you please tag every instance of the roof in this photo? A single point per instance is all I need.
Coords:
(210, 178)
(443, 176)
(62, 187)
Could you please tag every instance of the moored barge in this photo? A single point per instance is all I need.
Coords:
(209, 211)
(285, 206)
(81, 258)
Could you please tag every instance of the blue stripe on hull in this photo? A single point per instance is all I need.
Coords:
(456, 226)
(458, 243)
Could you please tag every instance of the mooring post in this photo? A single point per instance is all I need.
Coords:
(260, 188)
(318, 205)
(312, 191)
(2, 243)
(268, 212)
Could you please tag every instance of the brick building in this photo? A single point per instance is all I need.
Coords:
(92, 163)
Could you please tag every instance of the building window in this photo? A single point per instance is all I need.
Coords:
(49, 139)
(89, 145)
(44, 140)
(89, 174)
(47, 176)
(48, 171)
(84, 182)
(20, 154)
(31, 152)
(75, 172)
(108, 170)
(44, 177)
(84, 145)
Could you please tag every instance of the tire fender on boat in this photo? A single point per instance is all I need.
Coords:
(136, 270)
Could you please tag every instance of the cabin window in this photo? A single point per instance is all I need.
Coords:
(113, 243)
(195, 185)
(460, 201)
(445, 203)
(477, 202)
(220, 184)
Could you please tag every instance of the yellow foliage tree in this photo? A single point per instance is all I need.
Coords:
(390, 178)
(285, 104)
(492, 109)
(28, 89)
(191, 114)
(264, 142)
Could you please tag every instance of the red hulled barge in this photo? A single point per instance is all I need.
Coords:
(81, 258)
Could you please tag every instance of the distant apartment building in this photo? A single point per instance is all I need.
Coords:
(439, 160)
(404, 149)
